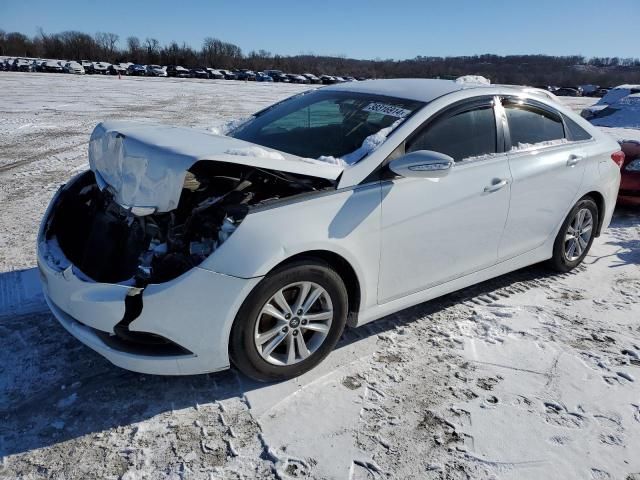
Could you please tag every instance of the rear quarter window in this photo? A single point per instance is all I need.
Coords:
(575, 132)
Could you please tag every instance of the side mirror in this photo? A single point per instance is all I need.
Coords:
(422, 164)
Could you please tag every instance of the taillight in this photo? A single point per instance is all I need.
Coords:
(618, 158)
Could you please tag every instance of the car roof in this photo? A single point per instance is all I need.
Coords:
(421, 89)
(425, 89)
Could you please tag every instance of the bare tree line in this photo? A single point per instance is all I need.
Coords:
(515, 69)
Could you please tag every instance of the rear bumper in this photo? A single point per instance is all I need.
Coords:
(194, 312)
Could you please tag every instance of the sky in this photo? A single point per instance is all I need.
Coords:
(367, 29)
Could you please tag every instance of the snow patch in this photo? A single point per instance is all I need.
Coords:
(473, 80)
(549, 143)
(255, 152)
(230, 125)
(369, 144)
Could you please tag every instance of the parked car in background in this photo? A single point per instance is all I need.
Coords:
(38, 65)
(263, 77)
(312, 78)
(199, 72)
(228, 74)
(276, 252)
(52, 66)
(87, 65)
(625, 113)
(327, 79)
(567, 92)
(589, 90)
(601, 92)
(155, 71)
(612, 96)
(118, 68)
(74, 67)
(23, 65)
(277, 76)
(136, 69)
(295, 78)
(629, 193)
(101, 68)
(178, 71)
(244, 74)
(215, 74)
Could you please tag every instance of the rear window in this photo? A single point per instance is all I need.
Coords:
(575, 132)
(530, 125)
(327, 123)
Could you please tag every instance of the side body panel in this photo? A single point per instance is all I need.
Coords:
(434, 230)
(545, 183)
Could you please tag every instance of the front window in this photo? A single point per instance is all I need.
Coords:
(467, 134)
(327, 124)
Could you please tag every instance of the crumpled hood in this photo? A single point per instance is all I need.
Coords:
(145, 165)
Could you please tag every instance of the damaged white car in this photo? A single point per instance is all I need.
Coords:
(181, 251)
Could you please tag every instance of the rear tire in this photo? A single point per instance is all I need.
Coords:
(276, 313)
(575, 236)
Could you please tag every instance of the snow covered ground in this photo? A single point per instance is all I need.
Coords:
(529, 375)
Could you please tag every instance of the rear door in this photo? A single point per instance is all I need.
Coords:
(547, 167)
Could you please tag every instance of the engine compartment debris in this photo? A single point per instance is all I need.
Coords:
(110, 243)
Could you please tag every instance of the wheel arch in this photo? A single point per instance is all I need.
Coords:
(344, 269)
(598, 198)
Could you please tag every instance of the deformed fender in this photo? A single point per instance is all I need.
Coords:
(345, 222)
(196, 311)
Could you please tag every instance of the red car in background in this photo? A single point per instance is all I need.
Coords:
(629, 193)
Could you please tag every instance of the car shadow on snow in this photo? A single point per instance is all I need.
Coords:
(628, 251)
(54, 389)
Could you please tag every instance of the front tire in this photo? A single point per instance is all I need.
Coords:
(290, 322)
(575, 236)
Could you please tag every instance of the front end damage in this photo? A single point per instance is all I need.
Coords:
(126, 279)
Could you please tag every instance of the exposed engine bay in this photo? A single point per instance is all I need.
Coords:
(110, 243)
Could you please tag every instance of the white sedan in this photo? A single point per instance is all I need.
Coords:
(181, 252)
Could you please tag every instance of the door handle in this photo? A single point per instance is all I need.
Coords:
(496, 186)
(573, 160)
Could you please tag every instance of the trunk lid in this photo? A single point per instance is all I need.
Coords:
(144, 165)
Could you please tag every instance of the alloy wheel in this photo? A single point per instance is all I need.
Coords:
(293, 324)
(578, 234)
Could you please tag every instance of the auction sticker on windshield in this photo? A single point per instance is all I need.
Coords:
(385, 109)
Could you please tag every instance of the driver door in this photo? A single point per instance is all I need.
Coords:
(436, 230)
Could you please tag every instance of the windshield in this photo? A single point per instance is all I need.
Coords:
(326, 124)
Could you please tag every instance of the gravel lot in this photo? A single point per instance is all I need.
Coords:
(530, 375)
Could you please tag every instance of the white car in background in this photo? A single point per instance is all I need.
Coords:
(156, 71)
(613, 96)
(101, 67)
(74, 67)
(180, 251)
